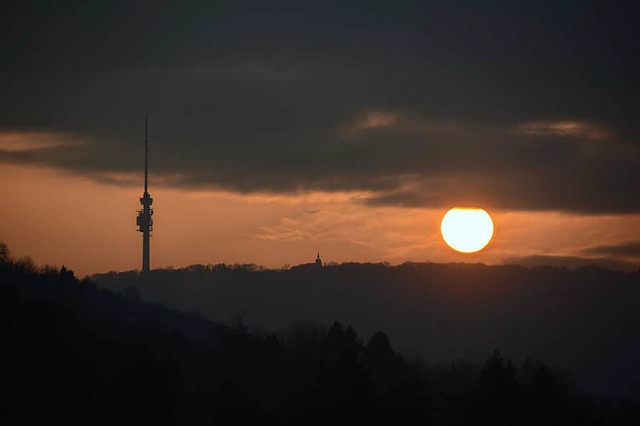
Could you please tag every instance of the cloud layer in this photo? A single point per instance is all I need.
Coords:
(523, 108)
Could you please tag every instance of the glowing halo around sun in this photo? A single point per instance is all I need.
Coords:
(467, 230)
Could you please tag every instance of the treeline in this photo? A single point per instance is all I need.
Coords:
(79, 354)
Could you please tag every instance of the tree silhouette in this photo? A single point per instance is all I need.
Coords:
(499, 391)
(5, 254)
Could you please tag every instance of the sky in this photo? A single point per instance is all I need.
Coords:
(281, 128)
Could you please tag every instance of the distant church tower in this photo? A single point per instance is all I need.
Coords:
(145, 215)
(312, 266)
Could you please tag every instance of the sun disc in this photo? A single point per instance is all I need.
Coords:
(467, 230)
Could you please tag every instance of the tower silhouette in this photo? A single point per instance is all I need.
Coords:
(145, 215)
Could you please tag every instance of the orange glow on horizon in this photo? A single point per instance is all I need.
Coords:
(89, 226)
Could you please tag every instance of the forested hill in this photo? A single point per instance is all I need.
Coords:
(62, 288)
(584, 320)
(79, 355)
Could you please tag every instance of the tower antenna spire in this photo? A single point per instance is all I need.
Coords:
(146, 153)
(145, 215)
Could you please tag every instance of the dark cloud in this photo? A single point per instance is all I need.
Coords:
(512, 106)
(628, 250)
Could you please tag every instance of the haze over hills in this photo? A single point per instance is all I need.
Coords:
(584, 320)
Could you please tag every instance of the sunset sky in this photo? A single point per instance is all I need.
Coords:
(282, 128)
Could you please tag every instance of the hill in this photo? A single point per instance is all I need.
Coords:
(80, 354)
(584, 320)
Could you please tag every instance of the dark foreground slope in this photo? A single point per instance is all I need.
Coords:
(77, 354)
(584, 320)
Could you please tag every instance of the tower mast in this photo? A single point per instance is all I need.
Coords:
(145, 215)
(146, 154)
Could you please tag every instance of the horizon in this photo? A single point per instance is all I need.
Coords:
(536, 264)
(343, 231)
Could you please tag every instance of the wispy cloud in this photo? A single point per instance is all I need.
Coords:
(32, 140)
(580, 129)
(627, 250)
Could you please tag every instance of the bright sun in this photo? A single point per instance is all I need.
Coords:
(467, 230)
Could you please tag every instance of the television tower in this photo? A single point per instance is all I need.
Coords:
(145, 215)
